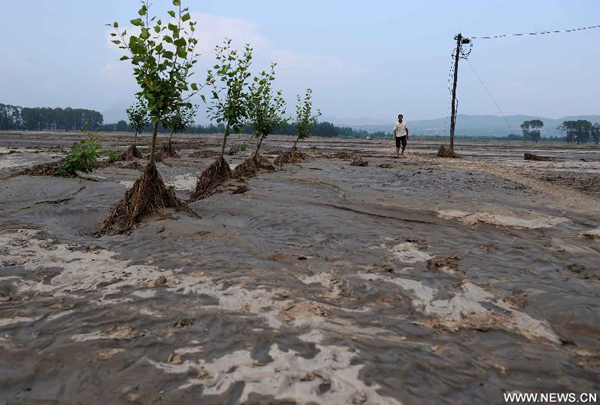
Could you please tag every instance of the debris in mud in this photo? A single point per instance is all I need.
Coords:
(115, 333)
(211, 177)
(588, 183)
(446, 152)
(175, 358)
(340, 155)
(304, 309)
(288, 157)
(593, 234)
(386, 166)
(531, 156)
(166, 151)
(148, 196)
(205, 153)
(162, 280)
(5, 298)
(358, 161)
(131, 153)
(252, 166)
(576, 268)
(241, 189)
(183, 323)
(133, 166)
(45, 169)
(440, 262)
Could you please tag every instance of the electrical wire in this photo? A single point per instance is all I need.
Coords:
(538, 33)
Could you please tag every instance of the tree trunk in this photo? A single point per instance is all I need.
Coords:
(225, 135)
(296, 142)
(170, 138)
(153, 145)
(135, 138)
(258, 145)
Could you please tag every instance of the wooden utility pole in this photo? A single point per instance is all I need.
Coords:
(458, 38)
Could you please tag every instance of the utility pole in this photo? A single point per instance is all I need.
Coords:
(458, 38)
(459, 41)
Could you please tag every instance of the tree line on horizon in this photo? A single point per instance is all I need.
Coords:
(72, 119)
(575, 131)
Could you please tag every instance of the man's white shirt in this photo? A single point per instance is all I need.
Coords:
(400, 129)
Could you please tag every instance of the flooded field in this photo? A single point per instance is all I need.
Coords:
(417, 280)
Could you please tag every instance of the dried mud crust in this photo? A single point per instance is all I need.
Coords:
(588, 183)
(148, 196)
(131, 153)
(213, 176)
(291, 156)
(252, 166)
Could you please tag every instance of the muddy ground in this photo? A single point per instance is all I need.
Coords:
(417, 280)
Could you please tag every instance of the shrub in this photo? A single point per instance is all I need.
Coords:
(237, 149)
(83, 156)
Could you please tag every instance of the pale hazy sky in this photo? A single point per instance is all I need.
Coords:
(362, 58)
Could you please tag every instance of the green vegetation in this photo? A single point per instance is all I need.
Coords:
(579, 131)
(180, 120)
(305, 120)
(162, 56)
(267, 108)
(83, 157)
(138, 117)
(229, 100)
(531, 129)
(237, 148)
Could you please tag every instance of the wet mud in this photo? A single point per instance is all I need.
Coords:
(418, 280)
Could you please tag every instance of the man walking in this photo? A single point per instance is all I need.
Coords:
(400, 135)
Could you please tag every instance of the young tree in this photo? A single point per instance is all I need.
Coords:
(138, 117)
(576, 131)
(229, 106)
(229, 101)
(180, 120)
(305, 120)
(162, 56)
(532, 129)
(267, 108)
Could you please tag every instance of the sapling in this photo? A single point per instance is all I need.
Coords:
(228, 106)
(179, 120)
(162, 56)
(304, 122)
(266, 112)
(138, 119)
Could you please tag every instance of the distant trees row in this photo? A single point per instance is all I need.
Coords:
(578, 131)
(44, 118)
(322, 129)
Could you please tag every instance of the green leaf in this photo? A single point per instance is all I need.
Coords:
(194, 86)
(171, 13)
(185, 17)
(137, 22)
(124, 58)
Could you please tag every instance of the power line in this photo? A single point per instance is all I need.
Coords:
(538, 33)
(492, 97)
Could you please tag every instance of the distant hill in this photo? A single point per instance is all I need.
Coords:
(470, 125)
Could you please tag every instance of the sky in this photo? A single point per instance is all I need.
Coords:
(366, 61)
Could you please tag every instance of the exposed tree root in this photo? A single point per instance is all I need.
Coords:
(44, 169)
(531, 156)
(446, 152)
(291, 156)
(251, 167)
(210, 178)
(148, 196)
(166, 151)
(358, 161)
(131, 154)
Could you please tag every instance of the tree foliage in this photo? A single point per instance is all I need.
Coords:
(267, 107)
(83, 156)
(43, 118)
(181, 119)
(138, 116)
(578, 131)
(305, 120)
(596, 133)
(229, 96)
(162, 56)
(532, 129)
